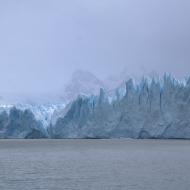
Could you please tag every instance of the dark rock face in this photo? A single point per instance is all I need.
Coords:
(36, 134)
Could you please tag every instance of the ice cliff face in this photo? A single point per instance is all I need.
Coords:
(20, 124)
(154, 108)
(26, 120)
(151, 108)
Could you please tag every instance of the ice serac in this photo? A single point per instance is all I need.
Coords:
(20, 124)
(153, 108)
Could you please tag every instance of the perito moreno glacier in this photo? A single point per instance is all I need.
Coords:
(152, 108)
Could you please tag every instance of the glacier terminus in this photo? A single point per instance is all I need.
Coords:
(153, 107)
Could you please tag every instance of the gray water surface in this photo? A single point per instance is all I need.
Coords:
(94, 164)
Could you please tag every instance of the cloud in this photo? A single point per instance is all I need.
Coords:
(43, 42)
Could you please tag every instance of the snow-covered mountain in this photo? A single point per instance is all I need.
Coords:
(82, 83)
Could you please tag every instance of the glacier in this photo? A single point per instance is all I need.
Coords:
(26, 120)
(154, 107)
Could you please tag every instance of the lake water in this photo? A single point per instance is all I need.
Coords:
(94, 164)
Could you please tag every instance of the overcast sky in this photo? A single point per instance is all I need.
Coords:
(43, 41)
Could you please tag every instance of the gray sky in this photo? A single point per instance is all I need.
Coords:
(43, 41)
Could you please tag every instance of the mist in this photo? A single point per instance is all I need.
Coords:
(43, 42)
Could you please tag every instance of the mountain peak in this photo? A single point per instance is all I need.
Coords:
(82, 83)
